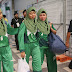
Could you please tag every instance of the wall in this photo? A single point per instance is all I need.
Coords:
(22, 4)
(68, 11)
(9, 12)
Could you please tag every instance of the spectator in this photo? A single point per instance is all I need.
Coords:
(16, 21)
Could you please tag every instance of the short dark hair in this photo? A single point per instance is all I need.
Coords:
(4, 16)
(24, 11)
(15, 12)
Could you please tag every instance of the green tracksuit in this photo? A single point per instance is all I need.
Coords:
(5, 51)
(50, 56)
(29, 45)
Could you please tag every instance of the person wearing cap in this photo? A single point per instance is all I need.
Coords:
(16, 21)
(24, 14)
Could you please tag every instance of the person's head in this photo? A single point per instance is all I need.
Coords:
(31, 13)
(42, 22)
(42, 15)
(1, 15)
(16, 14)
(4, 16)
(24, 13)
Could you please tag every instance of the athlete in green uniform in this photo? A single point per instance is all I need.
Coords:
(42, 37)
(5, 50)
(27, 40)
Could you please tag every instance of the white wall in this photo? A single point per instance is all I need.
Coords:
(68, 11)
(22, 4)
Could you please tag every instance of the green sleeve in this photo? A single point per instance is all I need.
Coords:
(21, 37)
(53, 27)
(11, 31)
